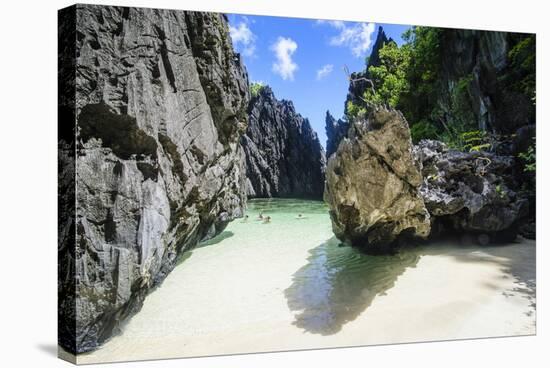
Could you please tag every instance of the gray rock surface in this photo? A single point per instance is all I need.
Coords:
(336, 130)
(472, 192)
(482, 55)
(161, 103)
(372, 184)
(283, 155)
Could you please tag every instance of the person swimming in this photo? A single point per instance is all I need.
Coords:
(245, 219)
(260, 216)
(300, 217)
(267, 219)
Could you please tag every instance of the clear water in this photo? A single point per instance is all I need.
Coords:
(288, 284)
(338, 282)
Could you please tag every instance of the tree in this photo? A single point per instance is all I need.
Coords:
(390, 78)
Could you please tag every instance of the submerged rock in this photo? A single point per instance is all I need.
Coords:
(471, 192)
(373, 183)
(284, 157)
(161, 104)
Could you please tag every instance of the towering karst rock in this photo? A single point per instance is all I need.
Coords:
(158, 108)
(283, 155)
(336, 130)
(358, 84)
(481, 61)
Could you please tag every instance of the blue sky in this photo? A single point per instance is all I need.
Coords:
(303, 59)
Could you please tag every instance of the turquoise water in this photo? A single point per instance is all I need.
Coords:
(289, 284)
(338, 282)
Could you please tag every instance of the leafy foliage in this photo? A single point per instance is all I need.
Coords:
(410, 78)
(390, 78)
(423, 73)
(529, 159)
(423, 130)
(255, 88)
(475, 141)
(355, 111)
(523, 65)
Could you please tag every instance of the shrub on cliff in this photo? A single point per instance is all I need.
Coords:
(255, 88)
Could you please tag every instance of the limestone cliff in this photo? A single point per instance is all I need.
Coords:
(480, 61)
(283, 155)
(159, 106)
(336, 130)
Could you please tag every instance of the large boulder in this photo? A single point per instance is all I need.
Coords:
(373, 183)
(160, 105)
(284, 157)
(475, 192)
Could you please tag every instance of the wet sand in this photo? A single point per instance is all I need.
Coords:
(287, 285)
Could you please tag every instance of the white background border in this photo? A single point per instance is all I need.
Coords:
(28, 258)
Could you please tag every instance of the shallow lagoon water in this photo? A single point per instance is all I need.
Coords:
(290, 285)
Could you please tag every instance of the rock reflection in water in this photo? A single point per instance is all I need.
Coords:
(339, 283)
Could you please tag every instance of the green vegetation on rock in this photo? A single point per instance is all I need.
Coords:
(255, 88)
(390, 78)
(529, 158)
(445, 99)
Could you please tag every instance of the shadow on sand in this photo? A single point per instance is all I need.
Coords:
(49, 349)
(217, 239)
(339, 283)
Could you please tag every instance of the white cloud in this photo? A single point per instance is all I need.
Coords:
(357, 36)
(243, 36)
(324, 71)
(334, 23)
(284, 48)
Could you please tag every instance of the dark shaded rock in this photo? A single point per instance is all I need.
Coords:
(159, 105)
(528, 230)
(373, 182)
(283, 155)
(471, 192)
(482, 57)
(66, 179)
(336, 130)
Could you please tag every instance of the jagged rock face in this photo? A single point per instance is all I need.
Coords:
(336, 130)
(358, 85)
(471, 192)
(372, 184)
(482, 55)
(283, 155)
(161, 104)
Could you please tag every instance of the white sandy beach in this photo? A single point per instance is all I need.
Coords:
(267, 287)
